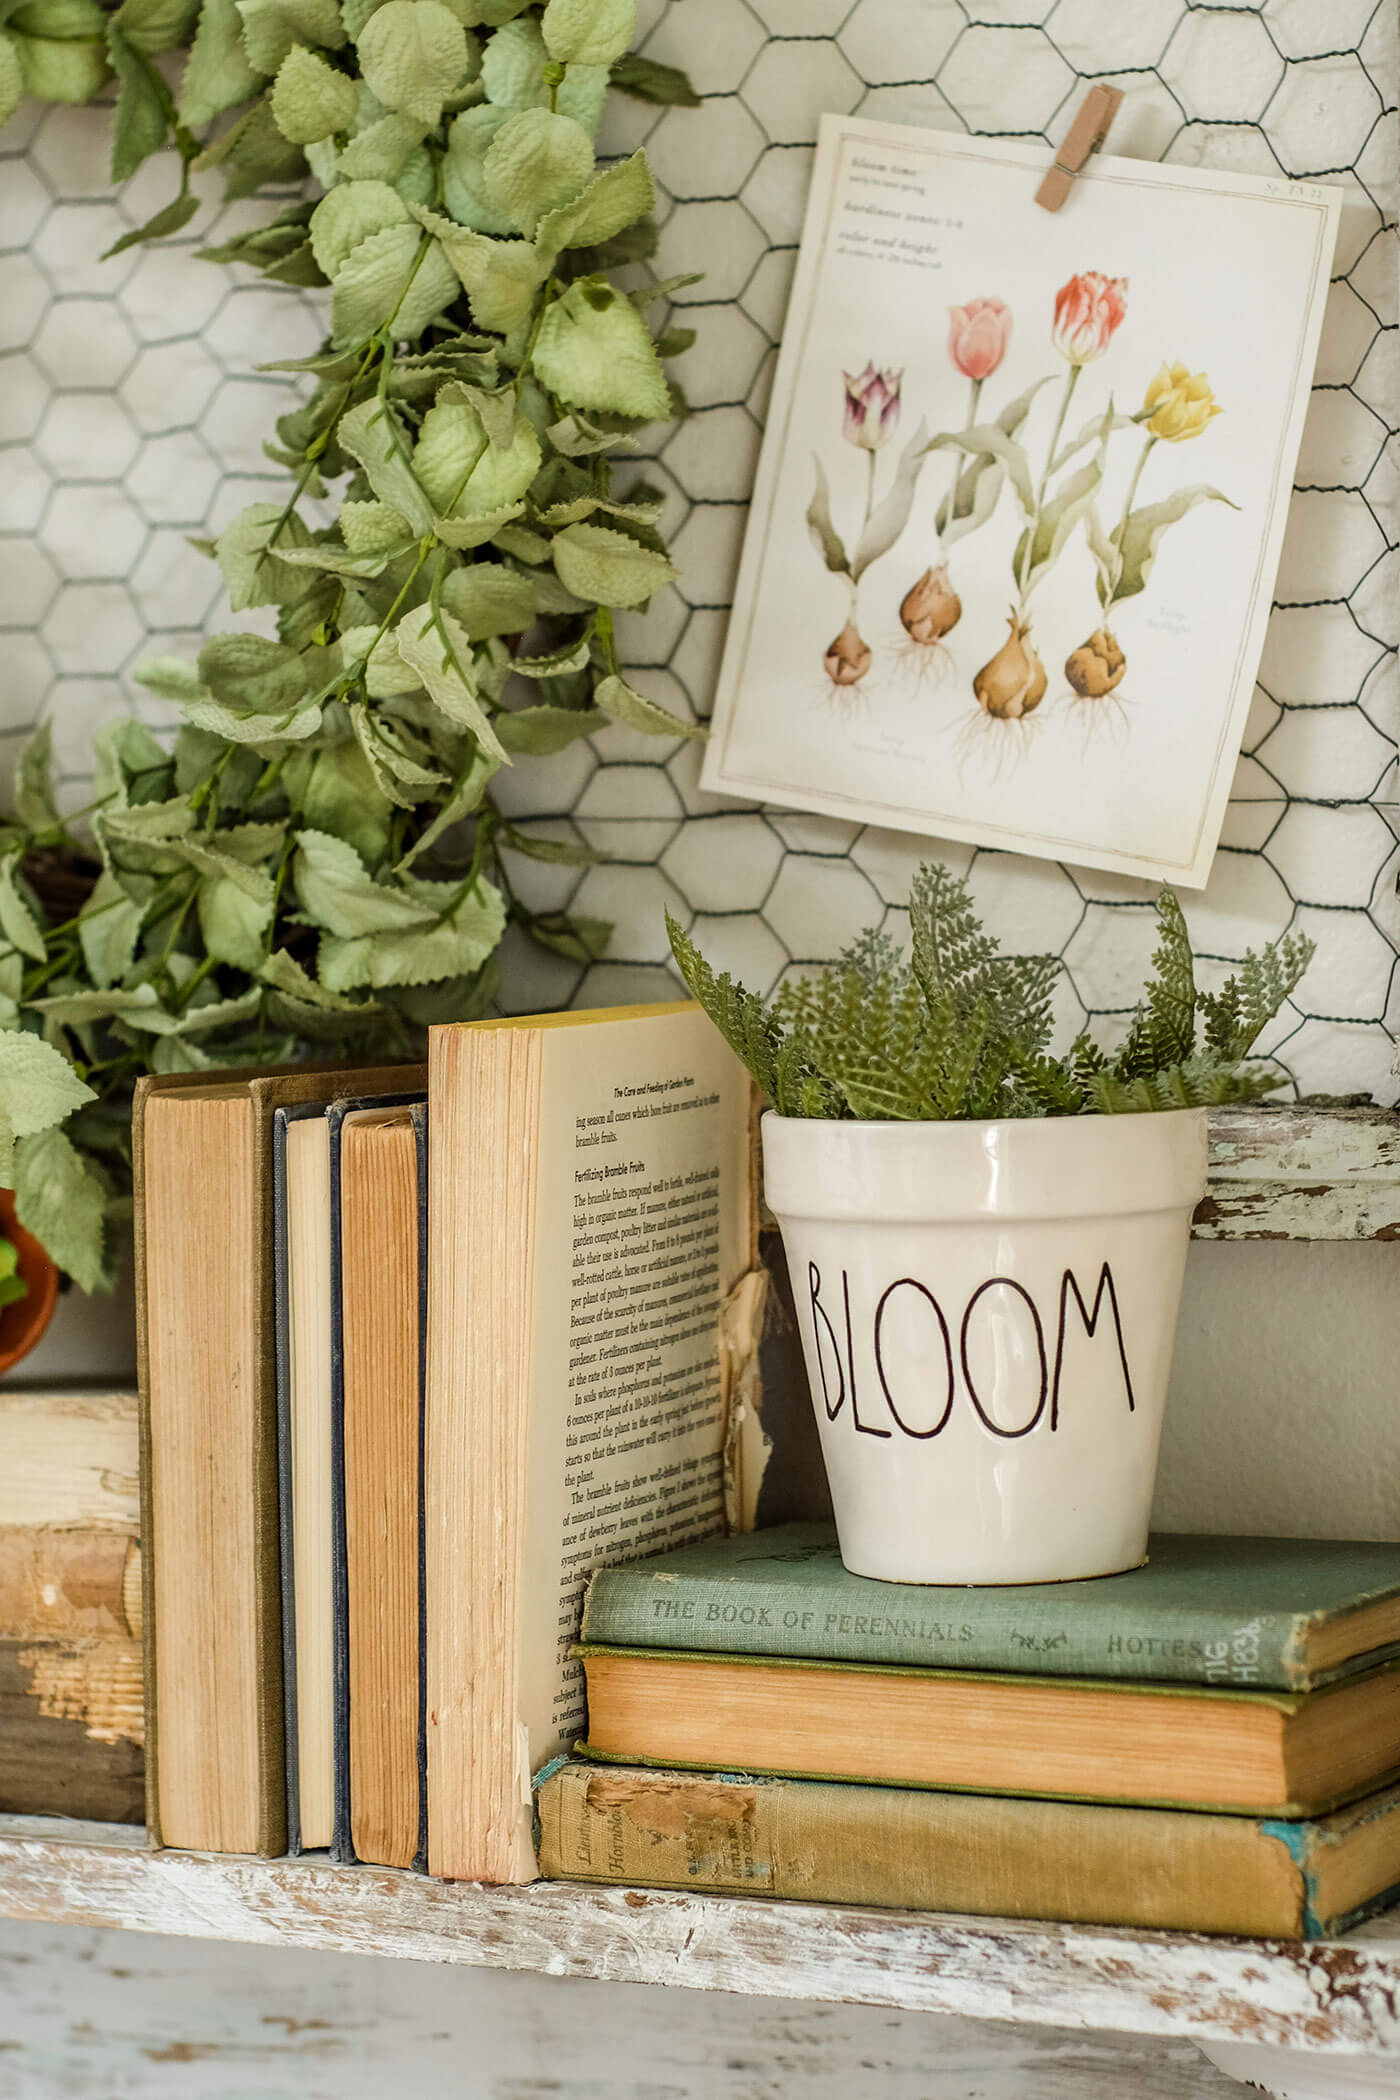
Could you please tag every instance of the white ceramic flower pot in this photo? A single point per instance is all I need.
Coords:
(987, 1314)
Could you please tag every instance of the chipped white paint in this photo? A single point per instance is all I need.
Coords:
(70, 1460)
(103, 2014)
(1279, 1172)
(1340, 1998)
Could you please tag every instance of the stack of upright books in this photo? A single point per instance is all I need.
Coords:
(1210, 1742)
(420, 1350)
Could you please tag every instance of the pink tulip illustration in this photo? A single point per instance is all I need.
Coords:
(978, 334)
(1087, 312)
(872, 407)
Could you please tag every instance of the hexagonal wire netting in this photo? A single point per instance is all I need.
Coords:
(132, 414)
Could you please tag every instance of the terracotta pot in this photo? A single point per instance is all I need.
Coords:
(22, 1324)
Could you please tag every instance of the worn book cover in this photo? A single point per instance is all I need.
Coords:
(902, 1849)
(1281, 1614)
(593, 1294)
(1210, 1747)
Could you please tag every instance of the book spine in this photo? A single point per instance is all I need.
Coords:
(782, 1616)
(897, 1849)
(286, 1517)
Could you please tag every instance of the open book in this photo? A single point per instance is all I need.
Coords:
(593, 1301)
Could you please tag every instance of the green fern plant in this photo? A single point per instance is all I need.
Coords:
(960, 1031)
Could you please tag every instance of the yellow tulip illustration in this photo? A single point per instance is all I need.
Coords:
(1181, 403)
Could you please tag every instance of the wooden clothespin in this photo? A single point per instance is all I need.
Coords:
(1086, 134)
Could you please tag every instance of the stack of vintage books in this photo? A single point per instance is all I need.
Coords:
(387, 1437)
(422, 1351)
(1209, 1742)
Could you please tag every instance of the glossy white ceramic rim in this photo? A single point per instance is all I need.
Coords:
(1049, 1167)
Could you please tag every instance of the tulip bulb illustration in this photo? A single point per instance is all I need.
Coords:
(931, 608)
(848, 658)
(1011, 684)
(1096, 667)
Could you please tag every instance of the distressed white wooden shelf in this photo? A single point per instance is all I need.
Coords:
(1302, 1172)
(1343, 1997)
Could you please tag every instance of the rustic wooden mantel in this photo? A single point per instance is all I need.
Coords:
(1338, 1998)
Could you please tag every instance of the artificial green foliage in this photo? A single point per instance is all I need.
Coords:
(962, 1031)
(316, 866)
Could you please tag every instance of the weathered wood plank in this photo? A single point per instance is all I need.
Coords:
(1291, 1172)
(102, 2013)
(62, 1585)
(72, 1728)
(70, 1460)
(1343, 1998)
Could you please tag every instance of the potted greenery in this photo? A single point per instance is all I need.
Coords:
(987, 1240)
(28, 1287)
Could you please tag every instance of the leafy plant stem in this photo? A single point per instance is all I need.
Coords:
(945, 508)
(1116, 537)
(1068, 395)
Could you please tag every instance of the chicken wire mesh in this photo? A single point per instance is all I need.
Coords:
(132, 415)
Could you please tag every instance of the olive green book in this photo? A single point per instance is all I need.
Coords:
(1274, 1614)
(904, 1849)
(1215, 1747)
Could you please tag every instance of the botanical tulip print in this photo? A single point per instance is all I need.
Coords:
(1178, 405)
(978, 334)
(1036, 627)
(872, 407)
(1088, 312)
(1056, 496)
(870, 418)
(1056, 488)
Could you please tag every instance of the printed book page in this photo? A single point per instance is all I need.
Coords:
(643, 1227)
(1022, 497)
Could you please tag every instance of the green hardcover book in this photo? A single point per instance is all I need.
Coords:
(1276, 1614)
(901, 1849)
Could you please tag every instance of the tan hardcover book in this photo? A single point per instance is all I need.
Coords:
(215, 1762)
(381, 1288)
(901, 1849)
(592, 1226)
(1193, 1746)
